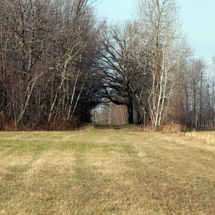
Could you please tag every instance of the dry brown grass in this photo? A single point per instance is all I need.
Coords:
(171, 128)
(165, 128)
(74, 124)
(105, 172)
(146, 128)
(206, 137)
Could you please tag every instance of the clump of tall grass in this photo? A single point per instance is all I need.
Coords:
(206, 136)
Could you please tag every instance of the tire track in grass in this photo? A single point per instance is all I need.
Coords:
(169, 190)
(103, 183)
(90, 191)
(179, 168)
(35, 187)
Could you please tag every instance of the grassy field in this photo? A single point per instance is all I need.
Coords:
(105, 172)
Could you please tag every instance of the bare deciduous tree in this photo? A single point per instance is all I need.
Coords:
(166, 49)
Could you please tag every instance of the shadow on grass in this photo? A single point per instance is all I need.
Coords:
(116, 127)
(198, 129)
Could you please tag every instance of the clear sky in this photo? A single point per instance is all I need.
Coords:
(198, 17)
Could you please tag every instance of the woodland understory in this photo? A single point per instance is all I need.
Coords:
(60, 64)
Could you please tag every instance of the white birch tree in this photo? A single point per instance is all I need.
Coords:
(166, 48)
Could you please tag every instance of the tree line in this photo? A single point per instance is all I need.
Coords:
(48, 58)
(59, 62)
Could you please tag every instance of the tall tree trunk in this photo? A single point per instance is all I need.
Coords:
(130, 112)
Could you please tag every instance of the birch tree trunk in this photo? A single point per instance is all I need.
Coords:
(158, 20)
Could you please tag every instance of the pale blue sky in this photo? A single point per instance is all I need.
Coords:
(198, 17)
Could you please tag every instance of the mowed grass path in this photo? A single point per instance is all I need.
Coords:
(105, 172)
